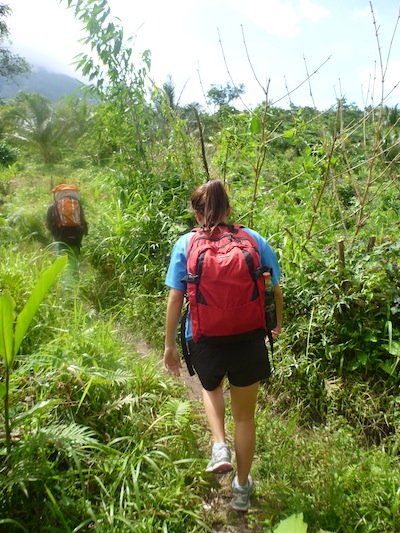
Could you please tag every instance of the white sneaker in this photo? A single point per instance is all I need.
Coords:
(221, 462)
(241, 495)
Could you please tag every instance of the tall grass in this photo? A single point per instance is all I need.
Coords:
(327, 473)
(100, 438)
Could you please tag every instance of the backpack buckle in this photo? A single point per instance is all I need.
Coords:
(191, 278)
(261, 270)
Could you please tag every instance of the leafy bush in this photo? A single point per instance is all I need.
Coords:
(349, 320)
(327, 474)
(8, 154)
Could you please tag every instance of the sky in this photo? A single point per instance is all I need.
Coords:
(267, 45)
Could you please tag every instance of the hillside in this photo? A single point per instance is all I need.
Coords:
(50, 84)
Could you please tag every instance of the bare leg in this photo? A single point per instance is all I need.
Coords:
(214, 404)
(243, 407)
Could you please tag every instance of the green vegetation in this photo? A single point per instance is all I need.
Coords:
(93, 435)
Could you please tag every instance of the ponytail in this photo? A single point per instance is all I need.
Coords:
(211, 201)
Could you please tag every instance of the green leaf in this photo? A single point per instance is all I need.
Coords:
(3, 390)
(393, 348)
(255, 125)
(363, 358)
(289, 134)
(44, 405)
(39, 292)
(389, 367)
(7, 306)
(293, 524)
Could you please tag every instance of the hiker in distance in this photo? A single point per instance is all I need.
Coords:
(222, 268)
(66, 221)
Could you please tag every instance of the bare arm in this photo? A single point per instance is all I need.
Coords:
(279, 309)
(172, 361)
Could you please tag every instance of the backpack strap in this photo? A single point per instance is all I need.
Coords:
(184, 345)
(232, 228)
(271, 343)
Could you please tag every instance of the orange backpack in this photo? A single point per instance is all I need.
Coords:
(67, 207)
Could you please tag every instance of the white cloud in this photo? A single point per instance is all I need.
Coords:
(312, 11)
(280, 17)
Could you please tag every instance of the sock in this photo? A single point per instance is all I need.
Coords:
(218, 445)
(244, 487)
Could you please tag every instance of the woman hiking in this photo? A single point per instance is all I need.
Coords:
(242, 358)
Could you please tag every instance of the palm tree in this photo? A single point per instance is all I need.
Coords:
(169, 90)
(36, 122)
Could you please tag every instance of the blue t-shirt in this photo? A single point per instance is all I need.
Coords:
(177, 269)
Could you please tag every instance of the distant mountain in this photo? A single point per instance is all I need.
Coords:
(49, 84)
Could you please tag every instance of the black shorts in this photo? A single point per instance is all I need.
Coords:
(244, 362)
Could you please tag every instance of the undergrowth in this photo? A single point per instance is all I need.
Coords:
(327, 472)
(100, 439)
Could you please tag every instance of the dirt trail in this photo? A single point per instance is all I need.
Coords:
(192, 383)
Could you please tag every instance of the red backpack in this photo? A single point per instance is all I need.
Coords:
(225, 284)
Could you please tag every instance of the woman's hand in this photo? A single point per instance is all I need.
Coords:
(275, 332)
(172, 361)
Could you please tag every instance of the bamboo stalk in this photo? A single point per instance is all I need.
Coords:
(371, 243)
(341, 256)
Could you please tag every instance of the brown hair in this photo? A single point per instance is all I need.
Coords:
(211, 201)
